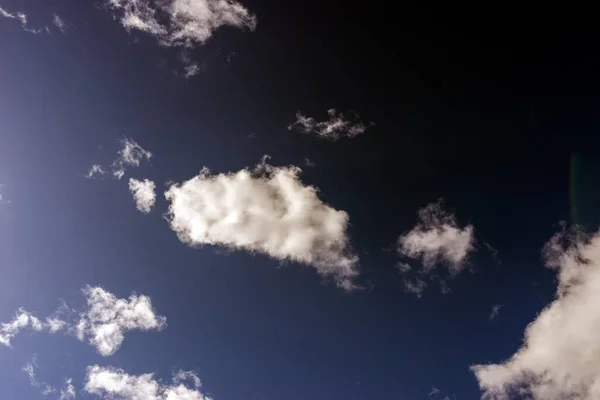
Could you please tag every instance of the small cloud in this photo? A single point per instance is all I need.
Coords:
(21, 17)
(95, 170)
(68, 392)
(336, 127)
(103, 323)
(309, 163)
(434, 391)
(560, 354)
(266, 210)
(181, 23)
(436, 241)
(107, 319)
(493, 252)
(22, 320)
(495, 310)
(59, 23)
(415, 286)
(187, 376)
(112, 382)
(29, 369)
(143, 194)
(131, 154)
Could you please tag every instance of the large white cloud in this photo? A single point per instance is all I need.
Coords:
(108, 318)
(182, 23)
(436, 241)
(336, 127)
(560, 355)
(114, 383)
(143, 194)
(266, 210)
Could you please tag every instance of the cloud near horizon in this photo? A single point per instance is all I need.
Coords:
(115, 383)
(560, 355)
(266, 210)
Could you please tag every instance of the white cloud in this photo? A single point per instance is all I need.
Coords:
(131, 154)
(266, 210)
(107, 319)
(21, 17)
(68, 393)
(181, 23)
(103, 323)
(59, 23)
(95, 170)
(560, 355)
(434, 391)
(143, 194)
(22, 320)
(435, 241)
(336, 127)
(438, 239)
(113, 383)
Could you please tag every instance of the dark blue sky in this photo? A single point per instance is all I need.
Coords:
(461, 112)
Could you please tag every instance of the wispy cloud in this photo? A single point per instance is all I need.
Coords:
(59, 23)
(68, 392)
(130, 154)
(112, 383)
(435, 241)
(103, 323)
(266, 210)
(143, 194)
(95, 170)
(495, 310)
(184, 24)
(434, 391)
(22, 320)
(560, 355)
(334, 128)
(20, 17)
(30, 369)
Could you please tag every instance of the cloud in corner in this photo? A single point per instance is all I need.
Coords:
(560, 355)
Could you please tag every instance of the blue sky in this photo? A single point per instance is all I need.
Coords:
(147, 244)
